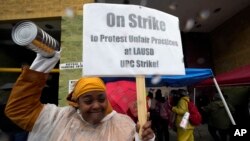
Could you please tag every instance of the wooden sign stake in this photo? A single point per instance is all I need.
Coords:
(141, 101)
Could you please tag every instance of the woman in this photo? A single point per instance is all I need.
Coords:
(186, 134)
(218, 121)
(89, 116)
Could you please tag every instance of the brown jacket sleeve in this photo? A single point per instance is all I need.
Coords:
(24, 105)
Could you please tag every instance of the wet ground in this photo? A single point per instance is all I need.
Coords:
(200, 134)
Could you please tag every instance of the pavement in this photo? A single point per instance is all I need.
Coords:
(200, 134)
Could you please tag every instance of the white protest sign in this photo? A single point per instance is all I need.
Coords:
(129, 40)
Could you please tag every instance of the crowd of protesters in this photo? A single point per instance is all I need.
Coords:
(165, 115)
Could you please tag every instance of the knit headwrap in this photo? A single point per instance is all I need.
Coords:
(84, 85)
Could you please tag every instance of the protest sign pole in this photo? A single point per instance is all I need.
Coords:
(141, 101)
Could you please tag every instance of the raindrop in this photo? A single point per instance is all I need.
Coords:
(156, 79)
(189, 24)
(69, 12)
(173, 6)
(204, 14)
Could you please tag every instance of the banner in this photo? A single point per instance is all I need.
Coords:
(129, 40)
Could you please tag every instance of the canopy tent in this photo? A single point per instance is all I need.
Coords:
(192, 77)
(235, 77)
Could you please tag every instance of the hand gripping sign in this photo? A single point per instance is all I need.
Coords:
(130, 40)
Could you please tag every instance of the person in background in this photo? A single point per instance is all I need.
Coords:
(151, 104)
(150, 99)
(158, 96)
(173, 100)
(88, 116)
(186, 134)
(161, 122)
(218, 120)
(175, 97)
(202, 101)
(163, 133)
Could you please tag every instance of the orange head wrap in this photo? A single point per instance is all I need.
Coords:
(84, 85)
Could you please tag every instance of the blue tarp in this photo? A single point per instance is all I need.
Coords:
(192, 77)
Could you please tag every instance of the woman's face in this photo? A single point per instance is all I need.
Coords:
(92, 106)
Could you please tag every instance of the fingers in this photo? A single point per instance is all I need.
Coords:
(147, 125)
(137, 127)
(147, 132)
(144, 127)
(147, 135)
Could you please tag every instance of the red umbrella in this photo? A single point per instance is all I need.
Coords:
(121, 95)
